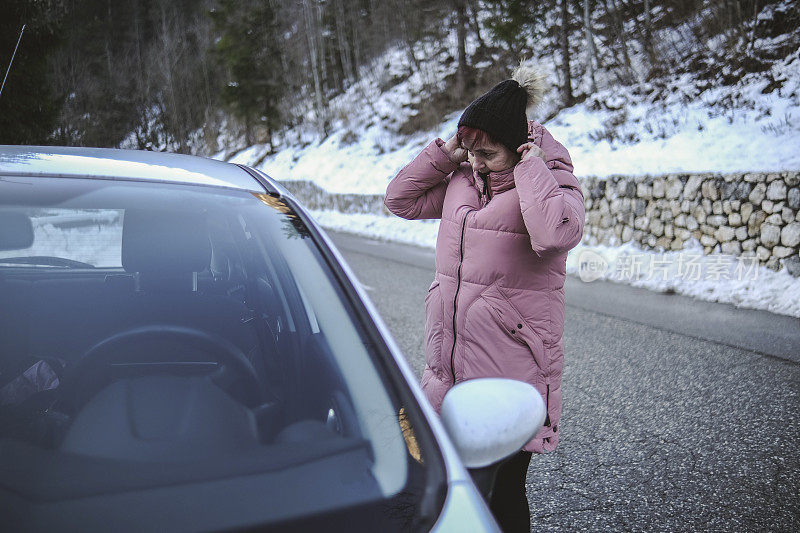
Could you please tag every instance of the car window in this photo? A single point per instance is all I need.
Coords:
(159, 338)
(91, 236)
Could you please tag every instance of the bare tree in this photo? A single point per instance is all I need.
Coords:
(648, 30)
(461, 31)
(312, 36)
(408, 40)
(345, 52)
(592, 60)
(566, 87)
(476, 26)
(621, 38)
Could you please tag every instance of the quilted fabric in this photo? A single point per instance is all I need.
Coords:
(496, 304)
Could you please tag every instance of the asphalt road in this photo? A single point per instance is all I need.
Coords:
(679, 415)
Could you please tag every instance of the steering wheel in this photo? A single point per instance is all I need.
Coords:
(234, 366)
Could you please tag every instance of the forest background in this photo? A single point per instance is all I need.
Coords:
(204, 76)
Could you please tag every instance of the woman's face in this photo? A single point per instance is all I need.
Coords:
(488, 157)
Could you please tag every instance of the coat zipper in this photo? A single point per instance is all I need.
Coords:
(487, 190)
(547, 407)
(455, 299)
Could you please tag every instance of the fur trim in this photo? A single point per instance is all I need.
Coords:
(533, 81)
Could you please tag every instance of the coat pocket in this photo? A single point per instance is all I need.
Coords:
(434, 316)
(510, 320)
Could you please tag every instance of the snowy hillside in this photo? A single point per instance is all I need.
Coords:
(616, 131)
(670, 126)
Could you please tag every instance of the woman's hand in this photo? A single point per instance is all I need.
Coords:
(454, 150)
(529, 150)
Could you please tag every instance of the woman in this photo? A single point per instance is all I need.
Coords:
(510, 210)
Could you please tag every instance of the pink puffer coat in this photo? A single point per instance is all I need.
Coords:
(496, 305)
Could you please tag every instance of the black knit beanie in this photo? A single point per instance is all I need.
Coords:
(501, 114)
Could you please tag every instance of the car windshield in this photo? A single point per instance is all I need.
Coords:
(185, 353)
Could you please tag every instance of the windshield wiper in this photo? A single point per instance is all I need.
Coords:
(45, 260)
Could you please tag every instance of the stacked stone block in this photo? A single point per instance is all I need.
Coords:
(752, 214)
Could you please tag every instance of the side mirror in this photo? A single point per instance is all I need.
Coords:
(16, 231)
(491, 418)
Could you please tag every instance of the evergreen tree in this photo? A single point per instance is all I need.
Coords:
(249, 48)
(515, 21)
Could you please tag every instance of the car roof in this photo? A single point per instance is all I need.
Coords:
(111, 163)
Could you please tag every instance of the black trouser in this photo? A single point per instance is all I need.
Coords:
(509, 502)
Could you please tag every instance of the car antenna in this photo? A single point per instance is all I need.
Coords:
(12, 60)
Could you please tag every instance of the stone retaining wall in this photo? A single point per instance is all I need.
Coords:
(744, 214)
(752, 214)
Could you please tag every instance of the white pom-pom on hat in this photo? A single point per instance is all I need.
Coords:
(533, 81)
